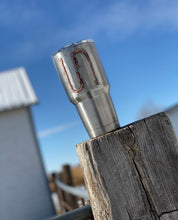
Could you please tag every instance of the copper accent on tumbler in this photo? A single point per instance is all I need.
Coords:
(83, 77)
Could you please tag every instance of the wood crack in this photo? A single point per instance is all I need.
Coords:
(132, 148)
(168, 212)
(144, 189)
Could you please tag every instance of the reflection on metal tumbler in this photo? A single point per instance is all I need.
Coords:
(86, 85)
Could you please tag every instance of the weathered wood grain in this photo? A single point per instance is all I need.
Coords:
(132, 173)
(170, 216)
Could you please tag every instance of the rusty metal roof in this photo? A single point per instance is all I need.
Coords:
(16, 90)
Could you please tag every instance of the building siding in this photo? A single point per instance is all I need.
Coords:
(24, 193)
(172, 113)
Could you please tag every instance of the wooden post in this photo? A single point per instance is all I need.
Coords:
(132, 173)
(60, 195)
(67, 179)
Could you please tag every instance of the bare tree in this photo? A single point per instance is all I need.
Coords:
(148, 108)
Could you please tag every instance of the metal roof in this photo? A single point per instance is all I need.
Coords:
(15, 90)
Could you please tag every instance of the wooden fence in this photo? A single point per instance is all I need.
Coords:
(70, 197)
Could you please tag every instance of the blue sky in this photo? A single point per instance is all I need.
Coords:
(136, 40)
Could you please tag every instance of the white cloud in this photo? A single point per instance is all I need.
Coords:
(127, 17)
(123, 19)
(56, 129)
(16, 14)
(116, 21)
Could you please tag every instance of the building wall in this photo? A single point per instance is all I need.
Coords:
(24, 192)
(172, 113)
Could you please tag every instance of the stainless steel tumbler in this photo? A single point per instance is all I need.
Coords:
(87, 87)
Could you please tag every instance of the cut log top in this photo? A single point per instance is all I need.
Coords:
(132, 173)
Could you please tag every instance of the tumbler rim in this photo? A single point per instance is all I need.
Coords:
(74, 44)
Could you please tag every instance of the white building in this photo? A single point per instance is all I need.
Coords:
(172, 113)
(24, 192)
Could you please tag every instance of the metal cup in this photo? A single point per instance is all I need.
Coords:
(83, 77)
